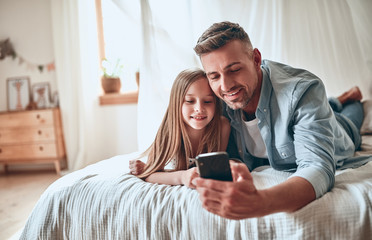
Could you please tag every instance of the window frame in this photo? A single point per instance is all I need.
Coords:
(110, 98)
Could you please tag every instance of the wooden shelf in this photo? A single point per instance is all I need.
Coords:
(118, 98)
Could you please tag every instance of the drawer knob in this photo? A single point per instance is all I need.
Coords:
(41, 148)
(39, 132)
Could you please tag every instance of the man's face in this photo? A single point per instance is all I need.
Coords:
(233, 73)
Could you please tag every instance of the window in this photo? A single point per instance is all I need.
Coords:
(119, 34)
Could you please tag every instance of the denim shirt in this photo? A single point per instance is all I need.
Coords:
(298, 127)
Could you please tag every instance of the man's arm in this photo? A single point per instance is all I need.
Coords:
(240, 199)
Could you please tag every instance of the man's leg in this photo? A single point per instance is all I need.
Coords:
(352, 107)
(350, 96)
(348, 106)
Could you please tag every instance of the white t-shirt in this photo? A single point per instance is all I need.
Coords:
(254, 141)
(172, 164)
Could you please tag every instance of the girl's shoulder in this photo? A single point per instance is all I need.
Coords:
(225, 122)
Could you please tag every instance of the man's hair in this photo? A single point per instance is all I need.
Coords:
(220, 34)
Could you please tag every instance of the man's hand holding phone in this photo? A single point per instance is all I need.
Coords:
(236, 199)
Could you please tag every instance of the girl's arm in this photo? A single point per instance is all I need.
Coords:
(225, 133)
(182, 177)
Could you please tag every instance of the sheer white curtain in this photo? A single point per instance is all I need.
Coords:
(167, 50)
(323, 37)
(330, 38)
(76, 54)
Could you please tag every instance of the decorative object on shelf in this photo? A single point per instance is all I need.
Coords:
(18, 93)
(41, 94)
(6, 49)
(55, 100)
(111, 76)
(31, 106)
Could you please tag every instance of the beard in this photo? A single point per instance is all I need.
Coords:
(239, 103)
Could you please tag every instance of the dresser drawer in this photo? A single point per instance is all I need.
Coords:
(27, 118)
(26, 135)
(32, 137)
(28, 151)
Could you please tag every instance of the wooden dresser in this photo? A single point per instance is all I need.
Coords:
(30, 137)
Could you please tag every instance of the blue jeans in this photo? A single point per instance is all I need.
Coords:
(350, 116)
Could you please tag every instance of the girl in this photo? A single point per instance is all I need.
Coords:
(192, 125)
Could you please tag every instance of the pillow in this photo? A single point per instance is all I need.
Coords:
(367, 122)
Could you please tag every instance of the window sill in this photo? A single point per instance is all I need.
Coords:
(118, 98)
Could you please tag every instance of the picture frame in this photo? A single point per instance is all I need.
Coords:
(41, 94)
(55, 99)
(18, 93)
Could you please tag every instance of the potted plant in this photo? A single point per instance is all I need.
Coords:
(111, 76)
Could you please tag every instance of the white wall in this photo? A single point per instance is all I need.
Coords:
(28, 25)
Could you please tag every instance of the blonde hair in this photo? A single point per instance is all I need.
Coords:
(172, 140)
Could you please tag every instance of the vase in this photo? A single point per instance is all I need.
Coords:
(111, 84)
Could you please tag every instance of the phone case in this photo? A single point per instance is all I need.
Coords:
(214, 165)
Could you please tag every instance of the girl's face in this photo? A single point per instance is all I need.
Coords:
(198, 105)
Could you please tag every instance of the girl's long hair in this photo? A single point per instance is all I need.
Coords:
(172, 140)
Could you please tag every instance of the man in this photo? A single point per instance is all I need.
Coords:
(277, 113)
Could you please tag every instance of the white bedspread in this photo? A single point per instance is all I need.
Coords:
(102, 201)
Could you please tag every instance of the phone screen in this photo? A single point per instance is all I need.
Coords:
(214, 165)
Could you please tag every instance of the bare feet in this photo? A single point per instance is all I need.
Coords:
(352, 95)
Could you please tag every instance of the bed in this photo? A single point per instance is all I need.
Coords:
(103, 201)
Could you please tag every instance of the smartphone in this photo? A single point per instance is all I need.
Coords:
(214, 165)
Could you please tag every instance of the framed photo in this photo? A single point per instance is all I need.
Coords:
(41, 94)
(18, 93)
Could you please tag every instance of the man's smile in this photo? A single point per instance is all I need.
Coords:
(231, 96)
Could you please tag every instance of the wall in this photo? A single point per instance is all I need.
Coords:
(28, 25)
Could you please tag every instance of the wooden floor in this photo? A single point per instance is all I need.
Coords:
(19, 192)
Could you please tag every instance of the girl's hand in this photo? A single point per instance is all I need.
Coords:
(188, 176)
(136, 167)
